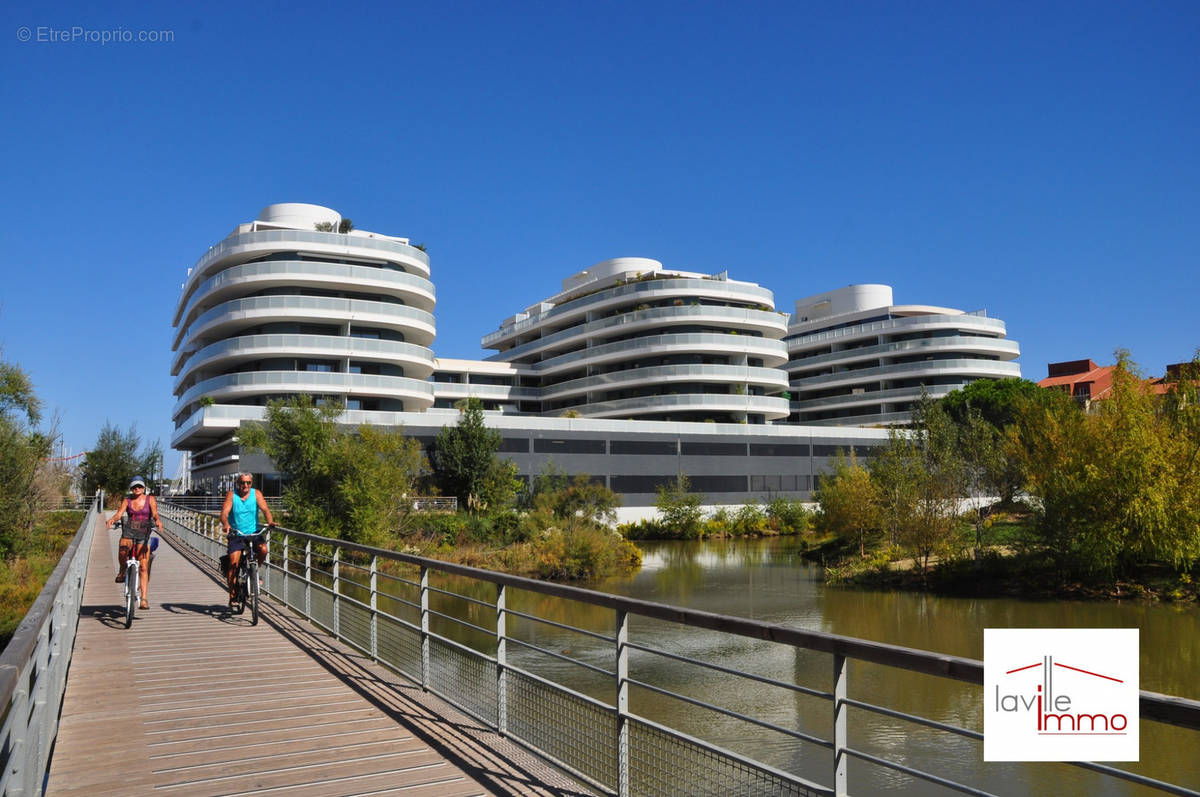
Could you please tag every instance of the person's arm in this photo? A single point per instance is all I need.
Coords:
(120, 511)
(266, 510)
(225, 511)
(154, 511)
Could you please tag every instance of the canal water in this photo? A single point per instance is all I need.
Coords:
(767, 580)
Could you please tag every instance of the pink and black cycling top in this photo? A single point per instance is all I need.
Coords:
(139, 518)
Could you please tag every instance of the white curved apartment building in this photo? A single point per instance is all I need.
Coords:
(628, 339)
(857, 359)
(279, 308)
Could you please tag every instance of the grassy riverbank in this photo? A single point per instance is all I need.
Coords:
(1009, 563)
(24, 574)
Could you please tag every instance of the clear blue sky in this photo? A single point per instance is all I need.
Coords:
(1037, 160)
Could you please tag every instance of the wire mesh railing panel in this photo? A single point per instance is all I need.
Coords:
(399, 647)
(321, 606)
(468, 678)
(354, 624)
(663, 763)
(577, 733)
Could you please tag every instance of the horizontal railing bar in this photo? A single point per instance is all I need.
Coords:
(888, 712)
(730, 671)
(1133, 777)
(491, 632)
(561, 657)
(464, 648)
(801, 735)
(917, 773)
(563, 626)
(460, 596)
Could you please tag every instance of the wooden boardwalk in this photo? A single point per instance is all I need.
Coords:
(194, 701)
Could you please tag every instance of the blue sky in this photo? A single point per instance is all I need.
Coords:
(1037, 160)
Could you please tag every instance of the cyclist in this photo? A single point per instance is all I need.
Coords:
(239, 519)
(141, 508)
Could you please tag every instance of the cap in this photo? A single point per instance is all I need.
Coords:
(135, 481)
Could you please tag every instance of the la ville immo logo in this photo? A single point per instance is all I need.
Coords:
(1060, 694)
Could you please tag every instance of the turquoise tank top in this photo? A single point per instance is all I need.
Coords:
(243, 516)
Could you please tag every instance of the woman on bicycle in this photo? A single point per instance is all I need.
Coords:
(239, 520)
(141, 508)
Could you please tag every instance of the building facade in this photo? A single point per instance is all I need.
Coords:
(857, 359)
(633, 373)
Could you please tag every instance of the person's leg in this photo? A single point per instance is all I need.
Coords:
(144, 573)
(122, 555)
(235, 557)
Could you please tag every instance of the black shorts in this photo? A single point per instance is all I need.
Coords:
(240, 542)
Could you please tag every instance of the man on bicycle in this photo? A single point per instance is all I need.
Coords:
(239, 520)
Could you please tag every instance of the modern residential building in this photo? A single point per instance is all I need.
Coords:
(286, 305)
(633, 373)
(855, 358)
(630, 339)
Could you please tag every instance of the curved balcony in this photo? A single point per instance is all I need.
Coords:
(256, 347)
(771, 407)
(250, 277)
(888, 396)
(765, 321)
(767, 378)
(966, 344)
(666, 288)
(252, 383)
(773, 352)
(965, 322)
(250, 244)
(457, 390)
(416, 325)
(218, 420)
(968, 369)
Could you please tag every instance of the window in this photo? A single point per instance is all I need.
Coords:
(514, 445)
(638, 447)
(573, 446)
(778, 450)
(638, 484)
(717, 484)
(714, 449)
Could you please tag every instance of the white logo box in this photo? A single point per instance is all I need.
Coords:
(1060, 694)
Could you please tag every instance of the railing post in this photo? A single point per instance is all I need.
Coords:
(337, 560)
(374, 609)
(287, 558)
(308, 579)
(840, 710)
(501, 659)
(424, 627)
(622, 640)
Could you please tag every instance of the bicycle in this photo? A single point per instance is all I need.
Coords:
(246, 583)
(133, 583)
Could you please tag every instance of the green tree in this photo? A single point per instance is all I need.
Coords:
(849, 502)
(114, 459)
(465, 463)
(679, 509)
(566, 496)
(22, 451)
(995, 400)
(352, 485)
(1119, 486)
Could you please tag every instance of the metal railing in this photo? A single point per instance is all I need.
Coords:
(475, 638)
(33, 667)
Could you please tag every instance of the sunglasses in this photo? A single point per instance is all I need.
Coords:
(246, 484)
(138, 487)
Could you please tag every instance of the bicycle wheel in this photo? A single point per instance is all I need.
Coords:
(131, 574)
(252, 589)
(241, 588)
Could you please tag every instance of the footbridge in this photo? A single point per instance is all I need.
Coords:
(381, 672)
